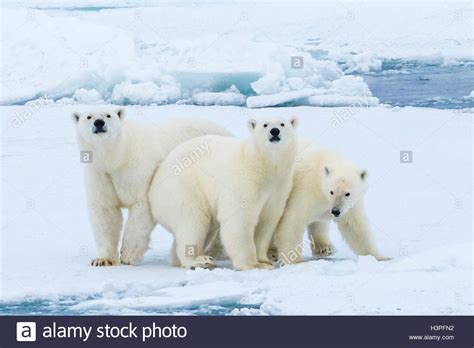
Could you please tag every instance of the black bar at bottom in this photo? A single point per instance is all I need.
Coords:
(287, 331)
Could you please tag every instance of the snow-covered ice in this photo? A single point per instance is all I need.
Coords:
(421, 214)
(232, 96)
(169, 53)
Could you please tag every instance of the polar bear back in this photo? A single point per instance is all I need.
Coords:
(200, 169)
(132, 161)
(160, 139)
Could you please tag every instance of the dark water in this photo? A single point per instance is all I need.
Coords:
(414, 83)
(63, 306)
(39, 307)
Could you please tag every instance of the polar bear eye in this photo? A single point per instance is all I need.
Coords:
(89, 117)
(283, 125)
(108, 116)
(331, 192)
(348, 194)
(265, 125)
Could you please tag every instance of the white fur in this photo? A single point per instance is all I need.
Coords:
(238, 187)
(318, 173)
(124, 160)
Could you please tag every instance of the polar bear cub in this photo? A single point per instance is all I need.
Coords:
(123, 158)
(238, 187)
(326, 187)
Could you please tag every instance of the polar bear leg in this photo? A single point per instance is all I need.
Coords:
(106, 217)
(190, 237)
(107, 222)
(266, 229)
(289, 240)
(263, 240)
(355, 229)
(237, 236)
(214, 245)
(318, 233)
(174, 260)
(137, 232)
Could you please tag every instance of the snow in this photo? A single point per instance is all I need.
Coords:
(470, 96)
(144, 93)
(280, 98)
(344, 91)
(232, 96)
(420, 213)
(171, 53)
(82, 96)
(87, 96)
(362, 63)
(332, 100)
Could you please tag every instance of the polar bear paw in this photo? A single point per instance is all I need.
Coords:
(273, 254)
(383, 258)
(132, 254)
(323, 250)
(103, 262)
(203, 261)
(264, 265)
(248, 266)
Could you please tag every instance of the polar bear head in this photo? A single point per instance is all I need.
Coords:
(98, 126)
(343, 185)
(273, 134)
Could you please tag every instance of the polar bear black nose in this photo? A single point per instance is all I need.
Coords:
(274, 131)
(336, 212)
(99, 123)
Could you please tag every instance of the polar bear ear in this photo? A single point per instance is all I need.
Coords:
(363, 175)
(75, 117)
(326, 170)
(294, 121)
(121, 113)
(251, 124)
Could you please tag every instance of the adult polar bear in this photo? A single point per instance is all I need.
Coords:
(239, 187)
(326, 187)
(125, 156)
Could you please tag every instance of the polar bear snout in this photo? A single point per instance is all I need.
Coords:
(99, 126)
(335, 211)
(274, 135)
(99, 123)
(275, 132)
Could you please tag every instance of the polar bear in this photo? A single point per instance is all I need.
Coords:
(326, 187)
(122, 158)
(238, 187)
